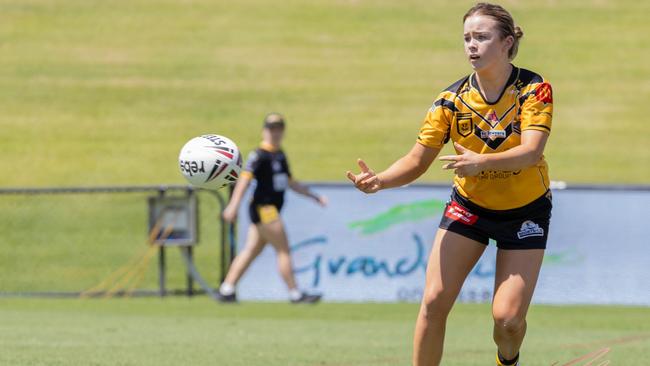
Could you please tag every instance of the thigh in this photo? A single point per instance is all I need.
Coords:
(515, 279)
(452, 258)
(274, 233)
(254, 241)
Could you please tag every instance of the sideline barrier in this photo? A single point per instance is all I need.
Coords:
(225, 243)
(375, 247)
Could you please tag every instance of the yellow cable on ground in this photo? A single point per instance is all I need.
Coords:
(141, 266)
(138, 277)
(135, 267)
(126, 279)
(103, 285)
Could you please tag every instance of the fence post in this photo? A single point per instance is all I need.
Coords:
(161, 271)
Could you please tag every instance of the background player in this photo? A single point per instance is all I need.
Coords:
(499, 118)
(269, 167)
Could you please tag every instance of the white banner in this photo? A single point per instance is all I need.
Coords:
(375, 248)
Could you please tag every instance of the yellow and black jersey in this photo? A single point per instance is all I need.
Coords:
(270, 169)
(462, 114)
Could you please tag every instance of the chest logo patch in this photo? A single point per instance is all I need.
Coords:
(464, 124)
(277, 166)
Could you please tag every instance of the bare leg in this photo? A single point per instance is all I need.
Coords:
(515, 279)
(274, 233)
(254, 246)
(452, 258)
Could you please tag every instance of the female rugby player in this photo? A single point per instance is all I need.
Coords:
(499, 119)
(269, 167)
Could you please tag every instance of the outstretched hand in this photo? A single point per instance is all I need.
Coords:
(466, 164)
(366, 181)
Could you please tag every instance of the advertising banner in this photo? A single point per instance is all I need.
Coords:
(375, 247)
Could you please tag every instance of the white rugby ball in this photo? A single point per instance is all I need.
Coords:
(210, 161)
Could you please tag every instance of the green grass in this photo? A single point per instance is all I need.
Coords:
(197, 332)
(72, 243)
(96, 92)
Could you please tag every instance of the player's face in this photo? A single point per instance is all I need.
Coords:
(273, 135)
(484, 45)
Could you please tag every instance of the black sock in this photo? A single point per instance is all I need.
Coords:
(508, 362)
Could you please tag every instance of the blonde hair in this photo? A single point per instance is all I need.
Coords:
(504, 21)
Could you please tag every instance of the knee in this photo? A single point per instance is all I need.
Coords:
(508, 322)
(436, 304)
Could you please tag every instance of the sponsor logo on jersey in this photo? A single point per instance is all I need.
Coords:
(497, 174)
(457, 212)
(493, 134)
(544, 93)
(277, 166)
(529, 228)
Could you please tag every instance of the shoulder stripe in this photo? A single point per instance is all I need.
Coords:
(445, 104)
(456, 86)
(527, 77)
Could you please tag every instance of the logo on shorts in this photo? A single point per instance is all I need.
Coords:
(529, 228)
(457, 212)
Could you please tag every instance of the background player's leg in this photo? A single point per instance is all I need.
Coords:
(254, 245)
(515, 279)
(274, 233)
(452, 258)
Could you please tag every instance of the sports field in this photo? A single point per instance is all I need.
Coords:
(96, 92)
(196, 332)
(99, 93)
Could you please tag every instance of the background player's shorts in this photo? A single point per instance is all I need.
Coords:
(520, 228)
(264, 213)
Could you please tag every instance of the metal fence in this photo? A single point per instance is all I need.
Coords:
(59, 241)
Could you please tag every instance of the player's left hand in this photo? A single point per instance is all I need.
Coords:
(322, 200)
(466, 164)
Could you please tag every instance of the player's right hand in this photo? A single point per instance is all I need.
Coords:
(366, 181)
(229, 214)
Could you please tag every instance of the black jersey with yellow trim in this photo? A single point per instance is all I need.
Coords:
(462, 114)
(270, 169)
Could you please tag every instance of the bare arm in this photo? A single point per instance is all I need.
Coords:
(230, 212)
(469, 163)
(297, 187)
(404, 171)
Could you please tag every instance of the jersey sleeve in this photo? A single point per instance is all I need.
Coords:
(252, 165)
(537, 109)
(434, 132)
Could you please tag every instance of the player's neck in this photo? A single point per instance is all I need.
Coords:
(493, 80)
(267, 145)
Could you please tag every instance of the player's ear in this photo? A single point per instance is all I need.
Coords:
(508, 43)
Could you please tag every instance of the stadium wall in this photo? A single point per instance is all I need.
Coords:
(375, 247)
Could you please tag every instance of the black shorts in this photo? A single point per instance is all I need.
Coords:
(256, 211)
(519, 228)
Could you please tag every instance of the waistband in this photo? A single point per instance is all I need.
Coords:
(542, 203)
